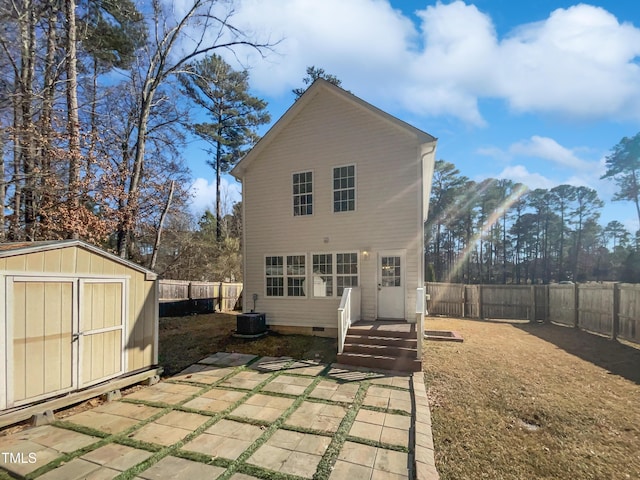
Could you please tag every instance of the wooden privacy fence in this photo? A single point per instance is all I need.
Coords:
(611, 309)
(182, 297)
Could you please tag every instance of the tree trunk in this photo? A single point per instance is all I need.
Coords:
(218, 202)
(45, 195)
(73, 129)
(156, 246)
(26, 130)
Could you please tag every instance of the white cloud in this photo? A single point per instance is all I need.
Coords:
(519, 173)
(363, 42)
(579, 62)
(548, 149)
(204, 195)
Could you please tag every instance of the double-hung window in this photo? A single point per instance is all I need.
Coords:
(285, 275)
(323, 275)
(346, 271)
(344, 188)
(274, 276)
(295, 275)
(332, 273)
(303, 193)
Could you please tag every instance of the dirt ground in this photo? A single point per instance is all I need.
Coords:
(185, 340)
(533, 401)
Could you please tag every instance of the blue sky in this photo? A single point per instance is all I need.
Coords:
(537, 92)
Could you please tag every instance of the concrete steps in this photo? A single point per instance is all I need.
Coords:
(380, 345)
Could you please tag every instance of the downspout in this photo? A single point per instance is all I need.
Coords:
(424, 199)
(424, 210)
(245, 298)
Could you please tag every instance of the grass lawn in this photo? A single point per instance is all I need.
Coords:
(185, 340)
(530, 401)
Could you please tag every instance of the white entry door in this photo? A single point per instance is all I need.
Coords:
(391, 289)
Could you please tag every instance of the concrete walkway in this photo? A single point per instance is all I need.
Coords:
(239, 417)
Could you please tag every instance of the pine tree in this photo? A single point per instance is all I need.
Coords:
(235, 115)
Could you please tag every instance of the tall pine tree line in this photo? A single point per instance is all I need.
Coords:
(497, 231)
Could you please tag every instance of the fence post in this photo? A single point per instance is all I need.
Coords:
(616, 311)
(480, 301)
(464, 300)
(532, 313)
(576, 306)
(547, 304)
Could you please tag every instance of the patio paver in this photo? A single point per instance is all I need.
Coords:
(291, 452)
(215, 400)
(104, 422)
(294, 449)
(307, 367)
(357, 461)
(170, 428)
(228, 359)
(263, 407)
(106, 462)
(288, 384)
(247, 380)
(226, 438)
(165, 392)
(174, 468)
(317, 416)
(117, 457)
(271, 364)
(130, 410)
(206, 374)
(335, 392)
(46, 443)
(382, 427)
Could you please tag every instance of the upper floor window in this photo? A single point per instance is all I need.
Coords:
(303, 193)
(344, 188)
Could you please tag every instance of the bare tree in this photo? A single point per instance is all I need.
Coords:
(164, 61)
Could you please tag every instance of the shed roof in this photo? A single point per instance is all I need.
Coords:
(318, 86)
(10, 249)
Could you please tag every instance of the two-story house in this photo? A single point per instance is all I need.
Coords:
(335, 196)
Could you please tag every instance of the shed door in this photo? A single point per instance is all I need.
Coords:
(40, 349)
(391, 285)
(101, 331)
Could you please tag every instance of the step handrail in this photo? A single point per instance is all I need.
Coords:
(420, 312)
(344, 318)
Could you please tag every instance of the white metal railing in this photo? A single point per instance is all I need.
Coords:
(348, 312)
(420, 311)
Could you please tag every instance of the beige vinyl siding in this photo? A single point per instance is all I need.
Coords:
(387, 215)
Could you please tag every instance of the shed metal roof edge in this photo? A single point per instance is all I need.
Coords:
(299, 104)
(17, 248)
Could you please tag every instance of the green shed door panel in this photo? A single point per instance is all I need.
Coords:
(41, 327)
(102, 313)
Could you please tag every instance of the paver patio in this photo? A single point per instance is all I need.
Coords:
(240, 417)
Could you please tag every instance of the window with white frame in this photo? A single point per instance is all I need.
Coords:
(296, 275)
(303, 193)
(274, 276)
(346, 271)
(344, 188)
(322, 274)
(285, 276)
(332, 273)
